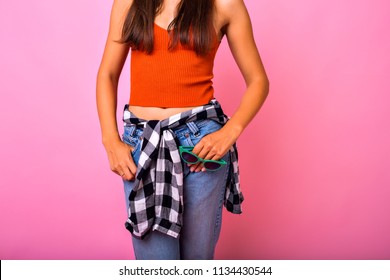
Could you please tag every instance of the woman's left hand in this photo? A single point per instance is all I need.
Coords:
(213, 146)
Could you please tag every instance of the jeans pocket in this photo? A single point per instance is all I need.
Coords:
(131, 136)
(205, 127)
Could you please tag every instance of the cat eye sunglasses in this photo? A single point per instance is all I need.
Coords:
(189, 157)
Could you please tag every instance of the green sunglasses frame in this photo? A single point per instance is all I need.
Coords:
(188, 149)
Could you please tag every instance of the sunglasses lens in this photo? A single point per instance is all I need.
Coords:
(212, 165)
(189, 157)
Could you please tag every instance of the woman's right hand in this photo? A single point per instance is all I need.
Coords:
(121, 161)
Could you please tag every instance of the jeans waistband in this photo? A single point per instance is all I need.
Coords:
(199, 113)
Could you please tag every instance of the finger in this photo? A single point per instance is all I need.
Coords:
(205, 145)
(130, 164)
(216, 153)
(203, 152)
(131, 148)
(198, 168)
(127, 173)
(195, 151)
(198, 147)
(127, 166)
(208, 153)
(195, 167)
(112, 167)
(132, 167)
(216, 157)
(115, 167)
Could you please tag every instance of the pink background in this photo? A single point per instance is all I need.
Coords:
(314, 162)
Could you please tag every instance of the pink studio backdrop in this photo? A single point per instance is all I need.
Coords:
(314, 162)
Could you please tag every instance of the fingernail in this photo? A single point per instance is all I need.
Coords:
(192, 169)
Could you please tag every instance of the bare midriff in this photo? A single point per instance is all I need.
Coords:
(156, 113)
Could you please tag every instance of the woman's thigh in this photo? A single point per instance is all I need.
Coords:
(155, 246)
(203, 198)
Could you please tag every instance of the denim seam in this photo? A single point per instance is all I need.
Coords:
(220, 205)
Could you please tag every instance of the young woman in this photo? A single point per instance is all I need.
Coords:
(177, 156)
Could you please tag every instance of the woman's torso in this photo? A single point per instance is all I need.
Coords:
(159, 113)
(156, 113)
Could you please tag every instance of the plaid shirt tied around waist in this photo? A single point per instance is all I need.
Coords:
(156, 200)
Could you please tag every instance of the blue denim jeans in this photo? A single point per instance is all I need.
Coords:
(203, 201)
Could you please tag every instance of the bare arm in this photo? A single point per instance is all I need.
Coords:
(243, 47)
(114, 57)
(111, 66)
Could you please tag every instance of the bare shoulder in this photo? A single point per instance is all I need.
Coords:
(227, 10)
(122, 3)
(237, 27)
(115, 54)
(227, 4)
(119, 10)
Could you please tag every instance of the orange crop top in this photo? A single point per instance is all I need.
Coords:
(177, 78)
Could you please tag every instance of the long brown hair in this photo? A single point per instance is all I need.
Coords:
(193, 17)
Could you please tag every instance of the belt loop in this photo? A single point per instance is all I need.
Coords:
(193, 128)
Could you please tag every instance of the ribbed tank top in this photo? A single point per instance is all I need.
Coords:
(165, 78)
